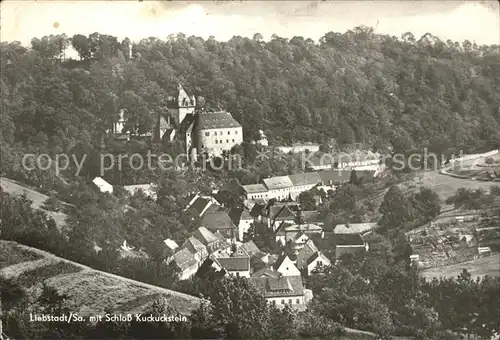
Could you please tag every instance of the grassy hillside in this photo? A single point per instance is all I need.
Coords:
(489, 265)
(89, 290)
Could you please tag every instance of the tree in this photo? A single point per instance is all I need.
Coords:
(427, 203)
(307, 200)
(396, 209)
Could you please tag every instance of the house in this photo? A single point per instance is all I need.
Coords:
(285, 266)
(256, 191)
(103, 186)
(278, 214)
(354, 228)
(198, 249)
(211, 264)
(216, 132)
(208, 239)
(279, 187)
(242, 219)
(239, 266)
(285, 233)
(303, 182)
(308, 250)
(198, 205)
(172, 246)
(281, 291)
(315, 261)
(297, 242)
(186, 262)
(330, 179)
(266, 272)
(217, 220)
(147, 189)
(348, 244)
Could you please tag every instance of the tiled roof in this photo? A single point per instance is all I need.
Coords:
(250, 248)
(335, 176)
(283, 214)
(279, 286)
(184, 259)
(306, 178)
(305, 253)
(312, 258)
(235, 263)
(216, 120)
(306, 228)
(205, 236)
(236, 214)
(245, 215)
(254, 188)
(354, 228)
(266, 272)
(278, 182)
(217, 221)
(198, 206)
(194, 245)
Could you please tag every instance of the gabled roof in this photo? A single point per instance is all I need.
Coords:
(284, 213)
(297, 236)
(278, 286)
(238, 214)
(305, 253)
(306, 178)
(198, 205)
(353, 228)
(235, 263)
(171, 244)
(216, 120)
(205, 236)
(279, 261)
(250, 248)
(218, 220)
(254, 188)
(194, 245)
(184, 259)
(266, 272)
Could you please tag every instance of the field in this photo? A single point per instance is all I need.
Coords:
(446, 186)
(16, 189)
(489, 265)
(90, 291)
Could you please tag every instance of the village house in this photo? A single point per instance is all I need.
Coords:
(285, 233)
(285, 266)
(198, 249)
(348, 244)
(216, 132)
(279, 187)
(278, 214)
(242, 219)
(199, 204)
(298, 148)
(186, 262)
(102, 185)
(281, 291)
(217, 220)
(238, 266)
(303, 182)
(315, 261)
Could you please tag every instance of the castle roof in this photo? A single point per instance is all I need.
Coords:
(216, 120)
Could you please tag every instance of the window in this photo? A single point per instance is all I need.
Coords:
(320, 263)
(282, 302)
(216, 141)
(229, 132)
(207, 133)
(215, 133)
(227, 140)
(220, 141)
(274, 302)
(233, 140)
(290, 301)
(236, 132)
(298, 301)
(202, 146)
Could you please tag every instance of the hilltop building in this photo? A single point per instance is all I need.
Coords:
(202, 132)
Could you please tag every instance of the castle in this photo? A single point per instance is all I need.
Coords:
(209, 133)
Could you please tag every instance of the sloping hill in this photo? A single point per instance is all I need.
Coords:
(489, 265)
(16, 189)
(90, 291)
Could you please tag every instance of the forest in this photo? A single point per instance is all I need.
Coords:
(358, 86)
(391, 93)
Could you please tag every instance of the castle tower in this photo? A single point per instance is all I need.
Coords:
(185, 105)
